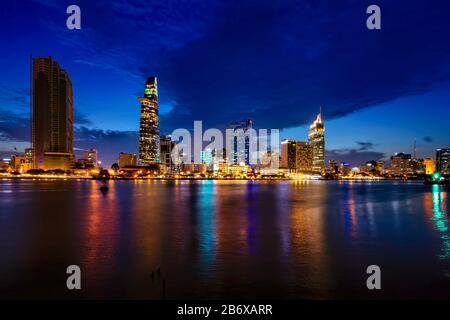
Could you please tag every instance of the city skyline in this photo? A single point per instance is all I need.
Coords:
(225, 158)
(60, 152)
(379, 93)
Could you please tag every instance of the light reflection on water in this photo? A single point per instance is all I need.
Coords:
(440, 213)
(231, 239)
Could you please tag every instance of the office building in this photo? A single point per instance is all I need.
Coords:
(289, 155)
(207, 156)
(443, 161)
(127, 159)
(240, 151)
(333, 167)
(20, 164)
(29, 155)
(345, 169)
(400, 164)
(166, 147)
(417, 166)
(91, 157)
(304, 159)
(296, 156)
(316, 139)
(52, 116)
(149, 143)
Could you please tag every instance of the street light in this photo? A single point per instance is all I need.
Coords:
(436, 176)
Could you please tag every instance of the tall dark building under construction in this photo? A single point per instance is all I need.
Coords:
(52, 116)
(149, 152)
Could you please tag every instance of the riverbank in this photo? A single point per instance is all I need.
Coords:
(266, 178)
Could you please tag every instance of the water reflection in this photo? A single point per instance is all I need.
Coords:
(100, 235)
(349, 208)
(206, 212)
(440, 219)
(223, 239)
(308, 243)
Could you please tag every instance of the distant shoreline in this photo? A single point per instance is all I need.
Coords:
(46, 178)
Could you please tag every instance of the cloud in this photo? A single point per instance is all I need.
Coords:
(276, 62)
(13, 97)
(80, 118)
(125, 31)
(353, 156)
(14, 126)
(272, 61)
(365, 145)
(108, 142)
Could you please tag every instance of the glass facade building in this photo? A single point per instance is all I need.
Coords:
(149, 142)
(443, 161)
(316, 139)
(241, 141)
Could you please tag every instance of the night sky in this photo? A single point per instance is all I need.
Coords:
(275, 62)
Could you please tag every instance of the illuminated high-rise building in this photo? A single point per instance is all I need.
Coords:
(296, 156)
(304, 157)
(166, 145)
(29, 155)
(91, 157)
(149, 150)
(289, 155)
(207, 156)
(316, 139)
(240, 151)
(380, 167)
(333, 166)
(400, 164)
(443, 161)
(126, 159)
(52, 116)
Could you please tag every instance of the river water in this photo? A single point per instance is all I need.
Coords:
(224, 239)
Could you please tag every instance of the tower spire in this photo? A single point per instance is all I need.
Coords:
(319, 116)
(414, 149)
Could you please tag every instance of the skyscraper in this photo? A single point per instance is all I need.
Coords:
(443, 161)
(241, 141)
(304, 157)
(296, 156)
(91, 156)
(288, 155)
(166, 145)
(400, 164)
(52, 116)
(316, 139)
(149, 152)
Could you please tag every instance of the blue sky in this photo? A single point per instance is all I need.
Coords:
(219, 61)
